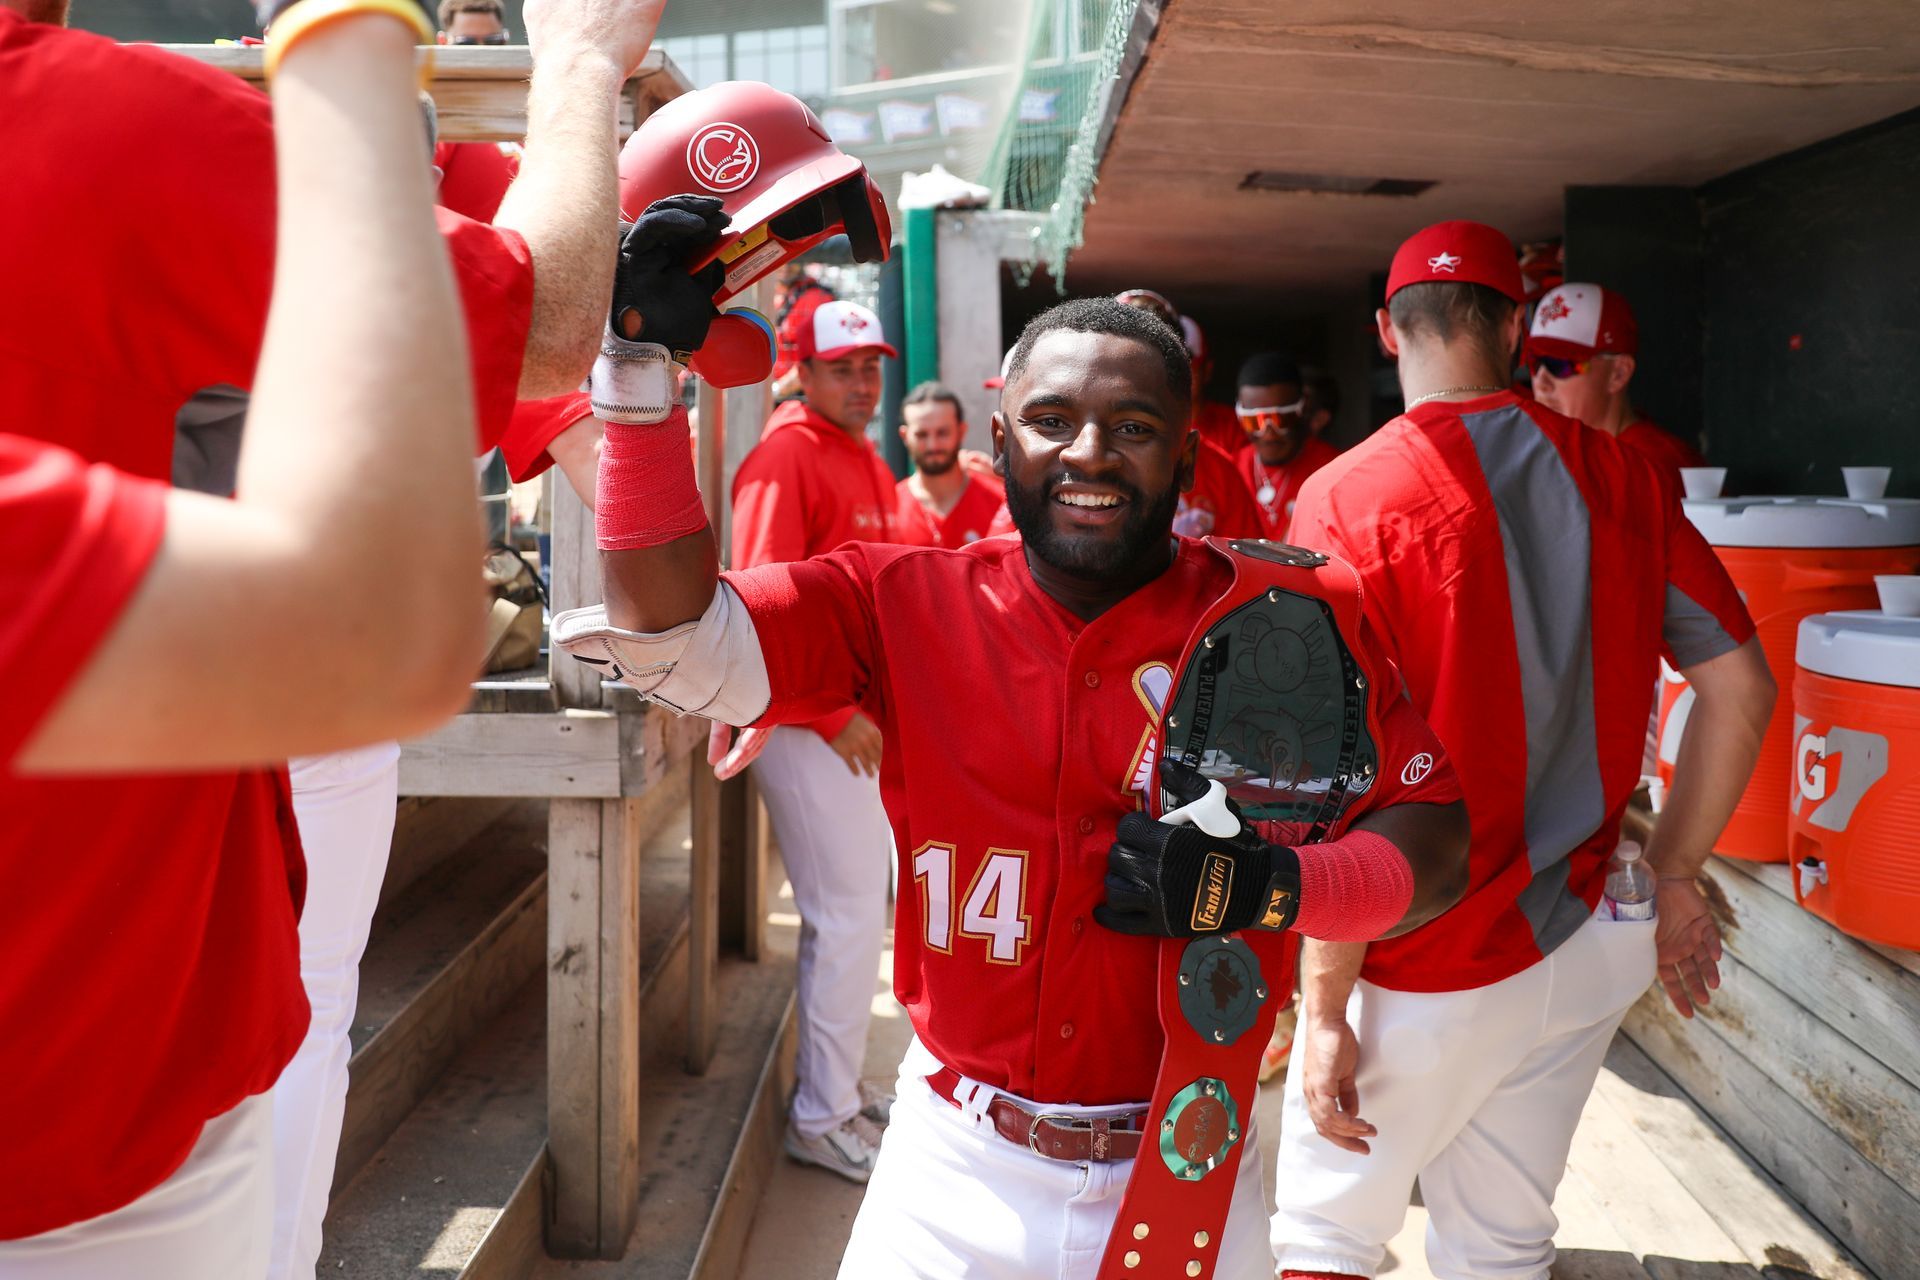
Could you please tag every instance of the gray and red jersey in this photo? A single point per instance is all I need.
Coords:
(1526, 573)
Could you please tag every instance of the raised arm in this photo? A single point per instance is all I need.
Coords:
(564, 202)
(334, 602)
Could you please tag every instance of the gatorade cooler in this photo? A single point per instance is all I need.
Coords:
(1855, 775)
(1790, 558)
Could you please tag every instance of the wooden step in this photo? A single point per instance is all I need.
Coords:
(457, 1179)
(445, 956)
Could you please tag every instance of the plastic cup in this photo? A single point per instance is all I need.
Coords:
(1703, 482)
(1899, 594)
(1867, 483)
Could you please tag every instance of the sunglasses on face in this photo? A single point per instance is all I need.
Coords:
(1269, 418)
(497, 37)
(1559, 368)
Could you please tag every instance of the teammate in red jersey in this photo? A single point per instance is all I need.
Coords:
(1018, 684)
(952, 505)
(1280, 450)
(1528, 573)
(156, 1033)
(1582, 352)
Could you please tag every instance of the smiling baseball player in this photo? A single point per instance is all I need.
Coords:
(1018, 684)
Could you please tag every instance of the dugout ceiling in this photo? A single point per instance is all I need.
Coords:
(1501, 104)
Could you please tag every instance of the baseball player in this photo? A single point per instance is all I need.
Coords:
(159, 1036)
(1528, 574)
(1214, 421)
(1017, 683)
(952, 505)
(1582, 351)
(149, 993)
(1281, 448)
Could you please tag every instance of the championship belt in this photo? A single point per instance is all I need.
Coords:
(1272, 707)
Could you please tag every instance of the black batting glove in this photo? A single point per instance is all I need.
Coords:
(1171, 881)
(655, 299)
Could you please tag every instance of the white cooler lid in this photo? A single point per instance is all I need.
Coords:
(1806, 522)
(1861, 644)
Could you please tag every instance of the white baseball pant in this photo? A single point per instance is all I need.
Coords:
(836, 843)
(1475, 1093)
(212, 1218)
(344, 803)
(953, 1200)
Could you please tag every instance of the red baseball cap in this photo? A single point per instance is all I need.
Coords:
(839, 329)
(1580, 321)
(1458, 253)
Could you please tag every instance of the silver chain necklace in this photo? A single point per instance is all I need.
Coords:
(1416, 402)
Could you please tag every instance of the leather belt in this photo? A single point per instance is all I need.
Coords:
(1056, 1135)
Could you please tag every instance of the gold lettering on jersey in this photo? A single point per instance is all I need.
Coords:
(1216, 881)
(1279, 901)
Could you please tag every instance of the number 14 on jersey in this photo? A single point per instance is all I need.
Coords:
(993, 909)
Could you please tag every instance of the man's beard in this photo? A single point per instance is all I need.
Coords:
(936, 464)
(1147, 525)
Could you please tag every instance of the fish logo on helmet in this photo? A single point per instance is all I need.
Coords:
(784, 185)
(723, 157)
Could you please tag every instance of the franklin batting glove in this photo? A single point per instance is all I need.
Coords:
(1179, 882)
(651, 282)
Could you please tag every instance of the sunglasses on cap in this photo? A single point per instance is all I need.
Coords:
(1558, 367)
(497, 37)
(1268, 417)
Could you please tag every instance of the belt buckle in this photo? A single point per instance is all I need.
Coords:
(1059, 1119)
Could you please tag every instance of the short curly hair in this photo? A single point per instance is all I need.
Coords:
(493, 8)
(1104, 315)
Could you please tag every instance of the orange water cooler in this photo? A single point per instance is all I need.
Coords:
(1790, 558)
(1854, 776)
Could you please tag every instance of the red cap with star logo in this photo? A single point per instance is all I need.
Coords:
(1458, 253)
(840, 329)
(1580, 321)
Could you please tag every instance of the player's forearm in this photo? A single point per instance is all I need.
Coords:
(1434, 839)
(335, 600)
(654, 589)
(1328, 971)
(565, 204)
(1733, 698)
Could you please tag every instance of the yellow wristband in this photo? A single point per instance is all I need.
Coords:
(310, 15)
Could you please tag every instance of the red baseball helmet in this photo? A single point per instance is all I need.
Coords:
(785, 185)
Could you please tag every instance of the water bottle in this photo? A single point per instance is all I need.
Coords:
(1630, 886)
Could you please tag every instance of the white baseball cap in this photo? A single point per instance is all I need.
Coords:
(840, 329)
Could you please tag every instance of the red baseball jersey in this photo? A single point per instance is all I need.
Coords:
(1219, 503)
(535, 425)
(1017, 735)
(969, 521)
(1276, 489)
(1526, 572)
(151, 977)
(1665, 448)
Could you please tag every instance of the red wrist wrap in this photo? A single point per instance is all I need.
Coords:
(646, 493)
(1352, 889)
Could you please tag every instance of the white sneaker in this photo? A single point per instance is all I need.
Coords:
(876, 1101)
(848, 1151)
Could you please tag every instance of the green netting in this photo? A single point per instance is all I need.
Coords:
(1045, 159)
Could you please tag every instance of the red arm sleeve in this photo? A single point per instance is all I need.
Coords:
(817, 632)
(80, 540)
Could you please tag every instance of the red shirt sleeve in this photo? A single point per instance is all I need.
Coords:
(815, 620)
(1704, 615)
(80, 540)
(494, 270)
(534, 426)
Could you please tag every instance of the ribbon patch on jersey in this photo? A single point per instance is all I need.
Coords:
(1201, 1126)
(1220, 988)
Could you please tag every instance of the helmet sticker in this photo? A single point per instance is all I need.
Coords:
(723, 157)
